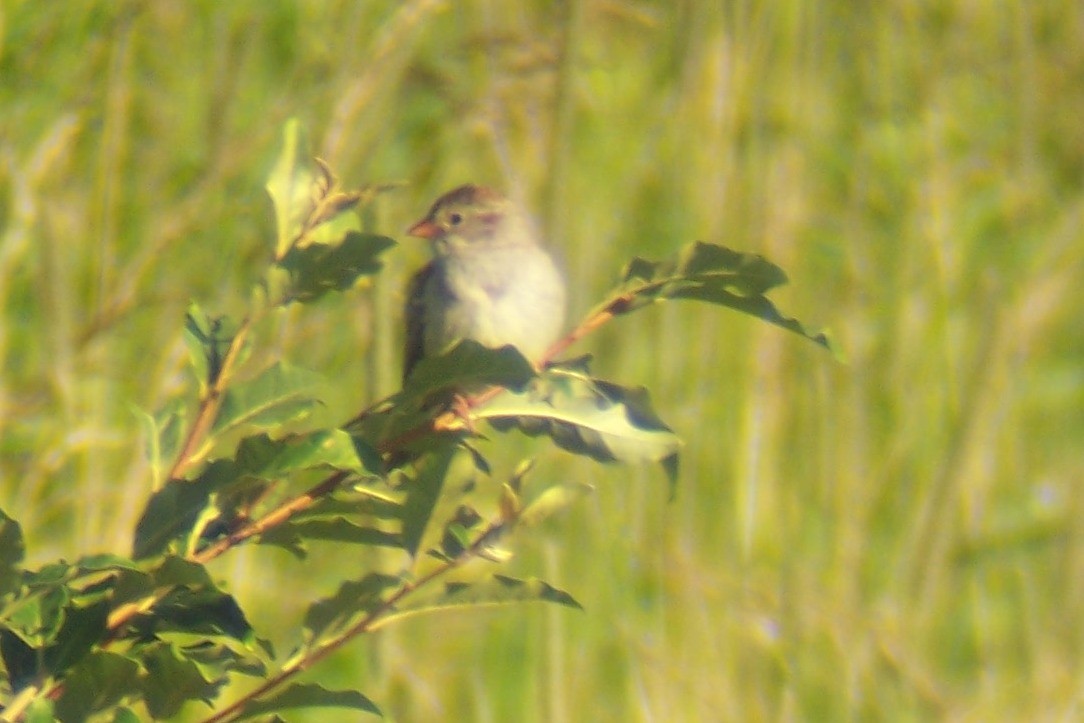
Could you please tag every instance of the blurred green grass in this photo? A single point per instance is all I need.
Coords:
(896, 538)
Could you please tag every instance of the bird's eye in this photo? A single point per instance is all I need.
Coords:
(455, 219)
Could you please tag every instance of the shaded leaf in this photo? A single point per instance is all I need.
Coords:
(21, 660)
(353, 597)
(333, 530)
(309, 695)
(12, 552)
(101, 679)
(469, 365)
(493, 590)
(172, 680)
(423, 490)
(207, 339)
(173, 511)
(316, 269)
(82, 628)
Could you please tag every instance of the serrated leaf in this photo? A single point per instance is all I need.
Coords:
(309, 695)
(280, 394)
(493, 590)
(316, 269)
(710, 273)
(290, 186)
(12, 552)
(354, 597)
(598, 419)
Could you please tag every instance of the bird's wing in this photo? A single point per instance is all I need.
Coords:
(414, 314)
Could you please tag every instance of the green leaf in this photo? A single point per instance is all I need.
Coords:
(164, 434)
(354, 597)
(101, 679)
(469, 365)
(125, 715)
(280, 394)
(40, 711)
(552, 501)
(710, 273)
(204, 611)
(172, 680)
(493, 590)
(316, 269)
(466, 367)
(83, 627)
(309, 695)
(598, 419)
(194, 604)
(291, 534)
(178, 508)
(291, 186)
(449, 468)
(261, 456)
(175, 509)
(12, 552)
(21, 661)
(208, 339)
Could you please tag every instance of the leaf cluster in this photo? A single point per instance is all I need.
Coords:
(144, 635)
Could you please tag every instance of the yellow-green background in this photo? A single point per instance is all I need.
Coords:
(893, 538)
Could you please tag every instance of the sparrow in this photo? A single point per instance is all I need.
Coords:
(490, 279)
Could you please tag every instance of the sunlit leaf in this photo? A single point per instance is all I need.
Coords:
(290, 186)
(309, 695)
(164, 434)
(551, 501)
(280, 394)
(710, 273)
(601, 420)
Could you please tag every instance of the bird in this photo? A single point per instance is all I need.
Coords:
(490, 279)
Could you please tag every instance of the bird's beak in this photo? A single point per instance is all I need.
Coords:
(424, 229)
